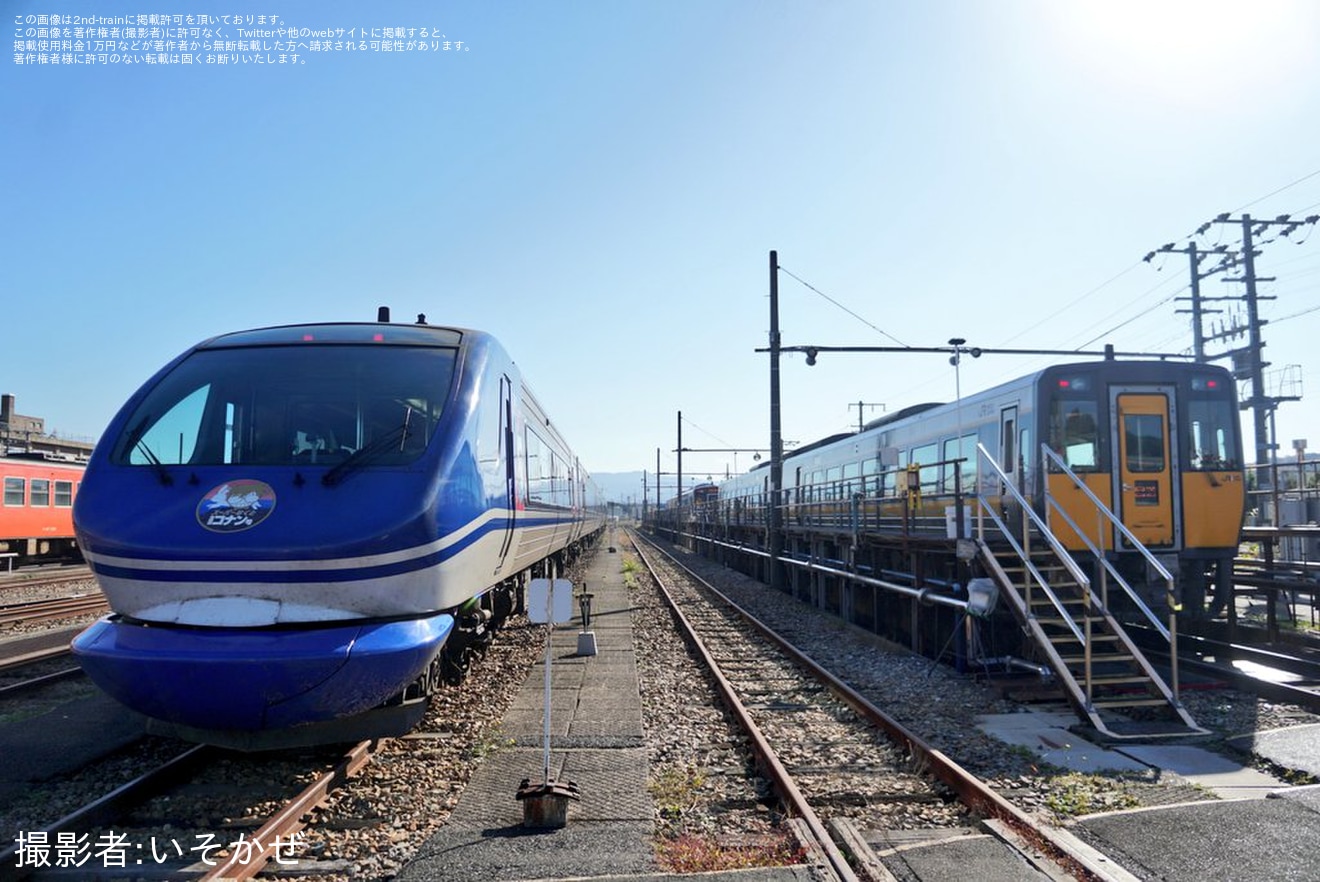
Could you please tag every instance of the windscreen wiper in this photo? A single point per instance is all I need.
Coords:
(363, 455)
(137, 442)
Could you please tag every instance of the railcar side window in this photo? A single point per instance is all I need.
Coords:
(63, 494)
(930, 474)
(955, 449)
(1212, 438)
(40, 495)
(1074, 433)
(15, 491)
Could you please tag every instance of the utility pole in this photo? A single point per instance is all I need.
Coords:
(1194, 257)
(776, 433)
(861, 404)
(1249, 363)
(679, 496)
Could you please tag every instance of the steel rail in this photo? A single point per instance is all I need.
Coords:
(789, 793)
(113, 804)
(973, 792)
(290, 819)
(53, 609)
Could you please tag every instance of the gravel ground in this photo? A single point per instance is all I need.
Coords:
(702, 780)
(941, 706)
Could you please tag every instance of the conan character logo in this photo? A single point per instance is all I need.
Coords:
(235, 506)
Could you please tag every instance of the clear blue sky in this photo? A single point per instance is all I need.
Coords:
(599, 185)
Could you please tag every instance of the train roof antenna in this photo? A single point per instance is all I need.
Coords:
(421, 318)
(382, 314)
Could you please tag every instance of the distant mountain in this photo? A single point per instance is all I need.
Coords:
(625, 487)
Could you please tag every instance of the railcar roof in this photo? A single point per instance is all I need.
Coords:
(343, 332)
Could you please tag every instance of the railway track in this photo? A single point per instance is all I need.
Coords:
(1277, 672)
(143, 823)
(860, 769)
(53, 609)
(44, 578)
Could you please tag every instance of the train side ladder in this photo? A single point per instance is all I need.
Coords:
(1104, 675)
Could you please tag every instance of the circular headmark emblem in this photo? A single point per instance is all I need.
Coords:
(236, 505)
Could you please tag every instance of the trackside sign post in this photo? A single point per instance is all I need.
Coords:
(549, 602)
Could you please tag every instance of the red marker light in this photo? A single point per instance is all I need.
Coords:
(1212, 384)
(378, 338)
(1064, 384)
(308, 337)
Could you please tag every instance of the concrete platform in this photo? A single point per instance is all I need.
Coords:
(1258, 829)
(1296, 747)
(1236, 841)
(1046, 733)
(596, 742)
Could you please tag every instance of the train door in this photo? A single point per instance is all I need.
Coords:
(509, 460)
(1145, 495)
(1008, 448)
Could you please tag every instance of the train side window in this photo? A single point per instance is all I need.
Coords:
(40, 495)
(851, 472)
(930, 474)
(953, 449)
(833, 488)
(63, 494)
(15, 491)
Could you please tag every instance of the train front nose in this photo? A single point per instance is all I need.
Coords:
(257, 679)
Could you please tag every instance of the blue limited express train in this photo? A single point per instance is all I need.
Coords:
(303, 531)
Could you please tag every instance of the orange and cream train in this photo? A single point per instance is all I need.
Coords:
(1158, 442)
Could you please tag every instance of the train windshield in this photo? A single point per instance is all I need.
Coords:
(1213, 436)
(1074, 433)
(282, 405)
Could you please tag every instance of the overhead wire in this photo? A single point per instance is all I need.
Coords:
(841, 306)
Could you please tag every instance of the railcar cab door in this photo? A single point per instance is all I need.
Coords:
(1009, 456)
(508, 460)
(1145, 485)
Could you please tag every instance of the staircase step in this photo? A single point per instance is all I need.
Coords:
(1071, 660)
(1115, 679)
(1114, 703)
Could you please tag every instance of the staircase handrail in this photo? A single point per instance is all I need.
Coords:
(1055, 545)
(1051, 456)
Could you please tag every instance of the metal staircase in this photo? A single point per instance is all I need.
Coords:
(1102, 672)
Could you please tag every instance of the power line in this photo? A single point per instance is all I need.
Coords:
(841, 306)
(1278, 191)
(1066, 307)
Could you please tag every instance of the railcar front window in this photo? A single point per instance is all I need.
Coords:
(280, 405)
(1074, 434)
(1213, 437)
